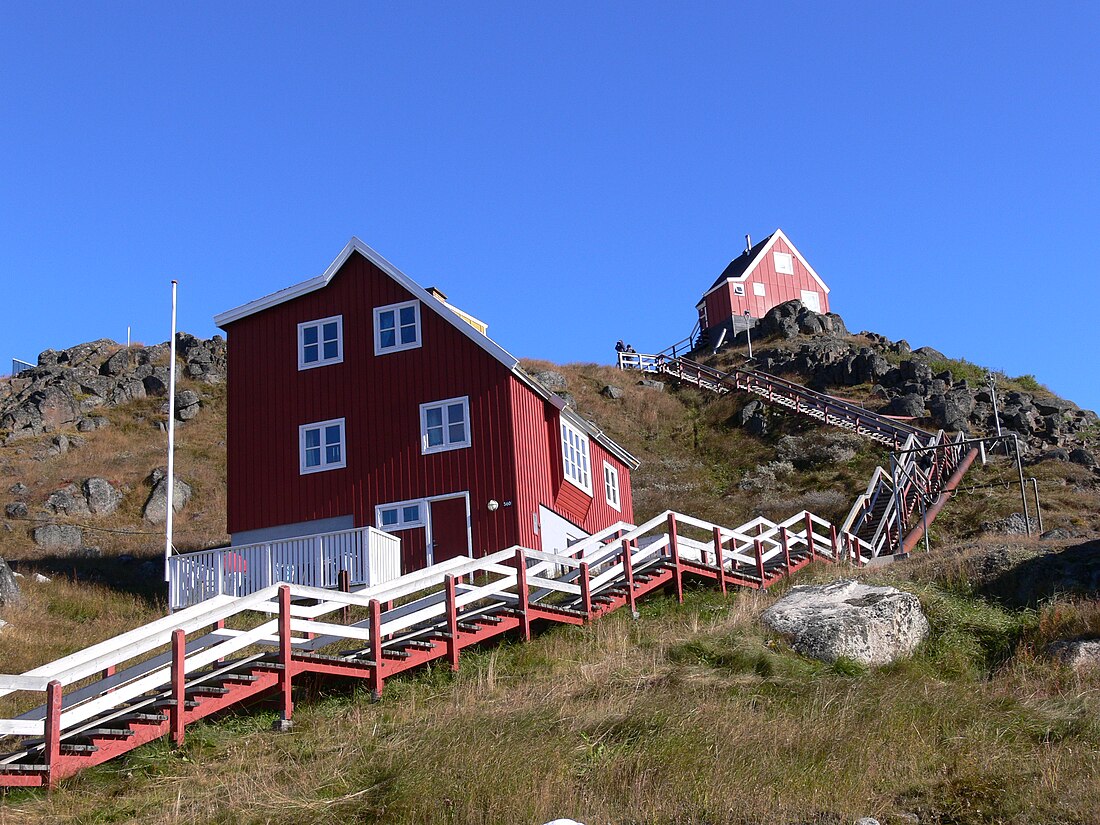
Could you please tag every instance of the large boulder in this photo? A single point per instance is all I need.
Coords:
(156, 508)
(851, 620)
(1079, 654)
(9, 587)
(781, 320)
(58, 537)
(102, 498)
(909, 406)
(187, 405)
(68, 501)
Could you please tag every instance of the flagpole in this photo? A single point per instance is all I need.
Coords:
(171, 440)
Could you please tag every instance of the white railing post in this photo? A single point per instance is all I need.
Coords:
(319, 558)
(270, 565)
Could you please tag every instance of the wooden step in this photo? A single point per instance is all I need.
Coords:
(23, 767)
(206, 690)
(145, 718)
(74, 748)
(107, 733)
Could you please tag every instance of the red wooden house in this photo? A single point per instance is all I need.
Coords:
(763, 276)
(358, 398)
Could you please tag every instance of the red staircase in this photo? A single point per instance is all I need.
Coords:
(156, 680)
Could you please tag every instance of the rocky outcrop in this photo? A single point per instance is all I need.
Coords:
(67, 387)
(849, 620)
(58, 537)
(816, 349)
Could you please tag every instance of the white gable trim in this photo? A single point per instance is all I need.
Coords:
(760, 256)
(442, 309)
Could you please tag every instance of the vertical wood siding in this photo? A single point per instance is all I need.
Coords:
(380, 397)
(537, 437)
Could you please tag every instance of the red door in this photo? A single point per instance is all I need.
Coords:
(450, 529)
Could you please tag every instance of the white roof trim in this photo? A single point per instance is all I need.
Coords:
(776, 235)
(442, 309)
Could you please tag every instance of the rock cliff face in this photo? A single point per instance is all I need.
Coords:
(69, 386)
(795, 341)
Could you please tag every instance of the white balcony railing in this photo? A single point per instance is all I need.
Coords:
(370, 557)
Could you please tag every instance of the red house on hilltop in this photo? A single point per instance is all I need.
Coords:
(358, 398)
(763, 276)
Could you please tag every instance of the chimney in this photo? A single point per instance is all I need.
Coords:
(748, 243)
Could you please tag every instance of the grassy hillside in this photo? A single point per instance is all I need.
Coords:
(690, 714)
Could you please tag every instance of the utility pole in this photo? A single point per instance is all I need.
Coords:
(748, 332)
(170, 510)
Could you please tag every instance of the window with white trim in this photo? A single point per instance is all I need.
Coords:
(445, 425)
(574, 453)
(611, 485)
(401, 516)
(758, 289)
(321, 446)
(396, 327)
(738, 289)
(321, 342)
(784, 263)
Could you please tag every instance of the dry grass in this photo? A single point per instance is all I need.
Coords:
(689, 715)
(125, 453)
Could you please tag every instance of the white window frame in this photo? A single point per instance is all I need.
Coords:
(402, 523)
(787, 265)
(447, 443)
(321, 360)
(611, 487)
(758, 289)
(397, 346)
(324, 465)
(581, 480)
(739, 289)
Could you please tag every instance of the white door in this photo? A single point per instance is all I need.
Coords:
(557, 533)
(811, 300)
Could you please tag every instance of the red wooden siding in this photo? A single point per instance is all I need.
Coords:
(537, 437)
(379, 396)
(722, 303)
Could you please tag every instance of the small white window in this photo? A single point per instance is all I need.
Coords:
(574, 453)
(321, 446)
(611, 485)
(445, 425)
(738, 289)
(784, 264)
(396, 327)
(758, 289)
(321, 342)
(400, 516)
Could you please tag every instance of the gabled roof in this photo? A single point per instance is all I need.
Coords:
(441, 308)
(743, 265)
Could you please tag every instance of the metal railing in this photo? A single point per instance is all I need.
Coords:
(368, 556)
(18, 366)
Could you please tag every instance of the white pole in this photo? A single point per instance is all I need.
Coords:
(127, 337)
(171, 439)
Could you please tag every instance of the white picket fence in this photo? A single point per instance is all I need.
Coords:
(369, 556)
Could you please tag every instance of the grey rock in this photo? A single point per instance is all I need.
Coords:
(156, 507)
(1083, 457)
(930, 354)
(567, 397)
(57, 536)
(911, 405)
(851, 620)
(1012, 525)
(781, 320)
(650, 384)
(17, 509)
(56, 407)
(67, 502)
(102, 498)
(1079, 654)
(1057, 534)
(9, 587)
(59, 445)
(117, 364)
(551, 380)
(125, 391)
(89, 552)
(19, 489)
(188, 404)
(611, 391)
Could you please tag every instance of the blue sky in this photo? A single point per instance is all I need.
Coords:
(573, 173)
